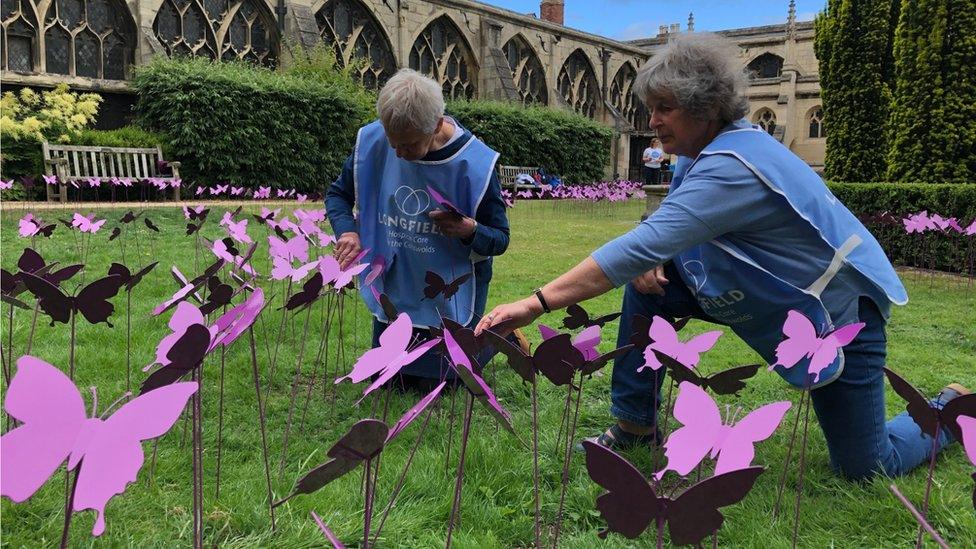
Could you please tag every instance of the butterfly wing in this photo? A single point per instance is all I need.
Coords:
(462, 364)
(92, 301)
(917, 405)
(393, 341)
(435, 284)
(731, 381)
(689, 352)
(50, 299)
(630, 504)
(640, 327)
(114, 454)
(60, 275)
(801, 339)
(701, 426)
(961, 406)
(137, 278)
(412, 414)
(517, 360)
(601, 320)
(592, 366)
(576, 317)
(825, 355)
(737, 448)
(52, 414)
(558, 359)
(967, 433)
(587, 340)
(680, 372)
(694, 514)
(455, 285)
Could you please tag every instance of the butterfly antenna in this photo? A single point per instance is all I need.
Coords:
(120, 399)
(94, 392)
(735, 414)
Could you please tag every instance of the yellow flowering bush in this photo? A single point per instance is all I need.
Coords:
(28, 117)
(56, 115)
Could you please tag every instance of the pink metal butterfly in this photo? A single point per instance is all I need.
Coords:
(331, 273)
(586, 341)
(390, 357)
(295, 248)
(87, 224)
(703, 432)
(802, 342)
(664, 339)
(106, 453)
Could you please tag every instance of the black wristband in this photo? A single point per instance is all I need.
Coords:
(542, 300)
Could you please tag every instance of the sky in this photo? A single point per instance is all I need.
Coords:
(632, 19)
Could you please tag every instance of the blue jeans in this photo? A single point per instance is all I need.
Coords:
(851, 410)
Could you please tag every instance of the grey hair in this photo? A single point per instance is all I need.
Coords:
(701, 73)
(410, 101)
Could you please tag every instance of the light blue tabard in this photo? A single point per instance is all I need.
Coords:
(739, 290)
(393, 203)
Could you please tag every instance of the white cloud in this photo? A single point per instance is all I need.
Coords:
(638, 29)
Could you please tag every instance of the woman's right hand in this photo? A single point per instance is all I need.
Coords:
(510, 316)
(347, 248)
(651, 282)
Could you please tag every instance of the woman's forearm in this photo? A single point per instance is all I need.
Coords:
(584, 281)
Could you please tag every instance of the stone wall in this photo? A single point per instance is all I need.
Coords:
(580, 71)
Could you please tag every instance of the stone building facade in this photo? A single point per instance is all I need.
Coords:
(473, 49)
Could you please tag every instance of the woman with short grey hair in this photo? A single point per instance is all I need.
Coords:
(410, 101)
(402, 164)
(751, 238)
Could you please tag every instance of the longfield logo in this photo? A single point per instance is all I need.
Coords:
(410, 201)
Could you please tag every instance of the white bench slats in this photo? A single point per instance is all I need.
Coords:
(80, 162)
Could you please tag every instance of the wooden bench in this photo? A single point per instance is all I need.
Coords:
(507, 175)
(79, 162)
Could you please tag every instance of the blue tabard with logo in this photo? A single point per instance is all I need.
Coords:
(740, 290)
(393, 203)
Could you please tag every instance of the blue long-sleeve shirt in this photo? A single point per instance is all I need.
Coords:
(490, 238)
(724, 198)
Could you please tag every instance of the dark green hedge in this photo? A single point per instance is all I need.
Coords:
(247, 125)
(564, 143)
(948, 252)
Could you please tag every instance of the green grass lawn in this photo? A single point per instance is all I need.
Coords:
(931, 342)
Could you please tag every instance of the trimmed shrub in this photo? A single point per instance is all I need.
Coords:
(126, 136)
(946, 251)
(567, 144)
(231, 122)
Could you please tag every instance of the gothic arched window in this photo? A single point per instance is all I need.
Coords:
(441, 53)
(92, 38)
(356, 35)
(218, 29)
(817, 128)
(527, 71)
(622, 94)
(767, 65)
(766, 119)
(578, 85)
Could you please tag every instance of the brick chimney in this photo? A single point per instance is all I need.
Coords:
(552, 11)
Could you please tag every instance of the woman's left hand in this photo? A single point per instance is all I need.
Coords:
(510, 316)
(453, 225)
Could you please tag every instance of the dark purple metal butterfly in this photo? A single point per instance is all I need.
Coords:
(630, 505)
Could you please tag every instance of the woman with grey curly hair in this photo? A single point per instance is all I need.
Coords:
(751, 238)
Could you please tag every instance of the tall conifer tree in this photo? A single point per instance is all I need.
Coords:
(853, 47)
(933, 123)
